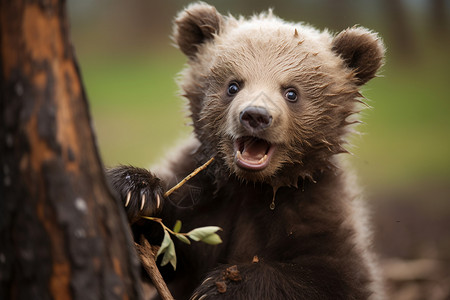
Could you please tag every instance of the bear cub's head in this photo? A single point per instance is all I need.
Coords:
(272, 100)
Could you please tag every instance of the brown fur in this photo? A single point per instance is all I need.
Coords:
(314, 244)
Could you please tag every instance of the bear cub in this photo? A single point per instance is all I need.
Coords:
(273, 102)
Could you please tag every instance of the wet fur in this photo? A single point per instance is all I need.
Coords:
(314, 244)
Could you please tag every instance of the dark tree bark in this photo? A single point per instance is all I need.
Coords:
(62, 234)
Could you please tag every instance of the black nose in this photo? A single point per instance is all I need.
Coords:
(255, 118)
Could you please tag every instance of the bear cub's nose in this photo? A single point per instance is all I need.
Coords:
(255, 118)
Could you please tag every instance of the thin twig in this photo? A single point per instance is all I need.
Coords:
(159, 220)
(201, 168)
(147, 254)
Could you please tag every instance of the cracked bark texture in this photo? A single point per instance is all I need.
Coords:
(62, 234)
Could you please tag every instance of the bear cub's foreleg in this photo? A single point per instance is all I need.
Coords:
(140, 191)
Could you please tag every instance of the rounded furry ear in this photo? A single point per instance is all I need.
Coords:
(195, 25)
(362, 51)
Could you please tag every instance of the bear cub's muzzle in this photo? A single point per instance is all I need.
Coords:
(253, 153)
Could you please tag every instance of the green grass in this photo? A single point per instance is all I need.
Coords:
(138, 115)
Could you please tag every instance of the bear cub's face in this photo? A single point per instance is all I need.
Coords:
(272, 99)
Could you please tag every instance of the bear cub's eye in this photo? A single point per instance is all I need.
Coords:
(233, 88)
(291, 95)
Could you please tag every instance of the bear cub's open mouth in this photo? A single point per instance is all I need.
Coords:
(253, 153)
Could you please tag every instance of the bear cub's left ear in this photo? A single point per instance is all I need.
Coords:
(362, 51)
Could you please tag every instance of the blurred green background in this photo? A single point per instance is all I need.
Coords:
(129, 68)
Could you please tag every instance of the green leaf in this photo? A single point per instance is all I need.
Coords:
(170, 256)
(201, 233)
(165, 243)
(183, 239)
(173, 262)
(177, 226)
(212, 239)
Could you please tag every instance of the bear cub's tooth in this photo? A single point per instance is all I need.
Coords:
(263, 159)
(239, 155)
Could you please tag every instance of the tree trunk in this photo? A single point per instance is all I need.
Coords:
(62, 234)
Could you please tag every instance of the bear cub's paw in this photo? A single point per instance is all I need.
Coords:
(140, 191)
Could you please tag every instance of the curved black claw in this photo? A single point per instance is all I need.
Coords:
(140, 191)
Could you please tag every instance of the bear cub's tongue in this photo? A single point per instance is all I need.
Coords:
(254, 149)
(252, 153)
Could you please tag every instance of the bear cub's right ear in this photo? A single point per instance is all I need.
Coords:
(195, 25)
(362, 50)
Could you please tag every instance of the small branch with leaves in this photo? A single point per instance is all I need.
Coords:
(149, 254)
(205, 234)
